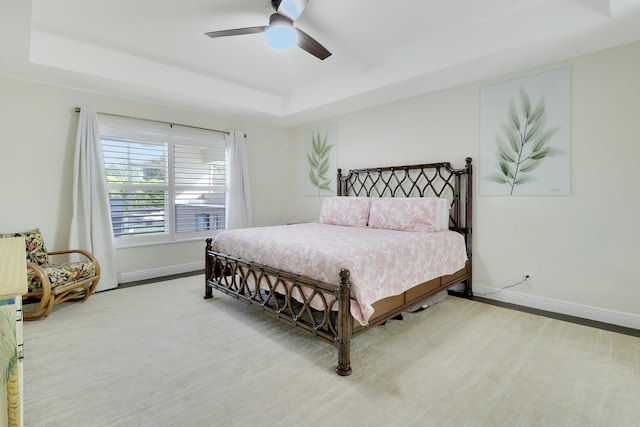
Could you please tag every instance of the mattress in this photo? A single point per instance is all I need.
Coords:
(382, 262)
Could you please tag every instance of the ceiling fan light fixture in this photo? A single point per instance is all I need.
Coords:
(281, 37)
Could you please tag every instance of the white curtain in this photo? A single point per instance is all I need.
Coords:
(91, 227)
(239, 195)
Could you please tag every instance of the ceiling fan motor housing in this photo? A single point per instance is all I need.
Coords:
(277, 19)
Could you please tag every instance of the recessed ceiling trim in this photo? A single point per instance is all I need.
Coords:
(71, 55)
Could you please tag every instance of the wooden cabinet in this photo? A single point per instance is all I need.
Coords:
(11, 362)
(13, 284)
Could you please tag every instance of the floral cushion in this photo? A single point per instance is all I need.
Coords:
(408, 214)
(62, 274)
(347, 211)
(36, 250)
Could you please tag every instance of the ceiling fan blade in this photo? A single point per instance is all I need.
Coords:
(292, 9)
(236, 32)
(308, 43)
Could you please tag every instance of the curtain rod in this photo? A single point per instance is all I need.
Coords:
(226, 132)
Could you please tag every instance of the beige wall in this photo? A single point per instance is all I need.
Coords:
(581, 248)
(38, 125)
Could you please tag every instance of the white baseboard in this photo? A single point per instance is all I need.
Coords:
(612, 317)
(134, 276)
(626, 320)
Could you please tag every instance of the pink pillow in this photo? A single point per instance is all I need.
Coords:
(348, 211)
(408, 214)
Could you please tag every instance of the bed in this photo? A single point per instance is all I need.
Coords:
(390, 239)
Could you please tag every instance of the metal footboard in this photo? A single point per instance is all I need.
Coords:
(320, 308)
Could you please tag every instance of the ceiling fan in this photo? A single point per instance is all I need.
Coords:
(280, 33)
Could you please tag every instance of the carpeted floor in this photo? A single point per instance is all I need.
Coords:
(161, 355)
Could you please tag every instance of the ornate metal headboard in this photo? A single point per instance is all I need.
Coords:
(426, 180)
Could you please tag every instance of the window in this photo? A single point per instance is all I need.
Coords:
(166, 183)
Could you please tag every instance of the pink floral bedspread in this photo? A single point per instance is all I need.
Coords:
(382, 262)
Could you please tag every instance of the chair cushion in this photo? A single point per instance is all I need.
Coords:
(36, 250)
(63, 274)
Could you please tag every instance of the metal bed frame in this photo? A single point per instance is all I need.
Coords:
(271, 289)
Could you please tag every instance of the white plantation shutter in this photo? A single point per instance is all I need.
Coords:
(166, 183)
(200, 187)
(137, 175)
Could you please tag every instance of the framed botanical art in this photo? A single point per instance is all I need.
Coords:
(525, 136)
(320, 144)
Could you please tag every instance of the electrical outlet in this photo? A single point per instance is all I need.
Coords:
(527, 278)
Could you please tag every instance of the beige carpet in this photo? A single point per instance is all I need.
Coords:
(160, 355)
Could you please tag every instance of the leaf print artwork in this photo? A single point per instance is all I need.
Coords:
(319, 160)
(525, 136)
(523, 144)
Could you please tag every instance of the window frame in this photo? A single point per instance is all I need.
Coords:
(171, 136)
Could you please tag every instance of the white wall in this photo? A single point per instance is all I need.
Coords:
(38, 125)
(581, 248)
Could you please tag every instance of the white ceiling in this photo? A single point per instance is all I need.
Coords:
(156, 50)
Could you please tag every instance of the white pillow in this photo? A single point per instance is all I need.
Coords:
(442, 220)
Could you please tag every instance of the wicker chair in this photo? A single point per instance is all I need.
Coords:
(51, 283)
